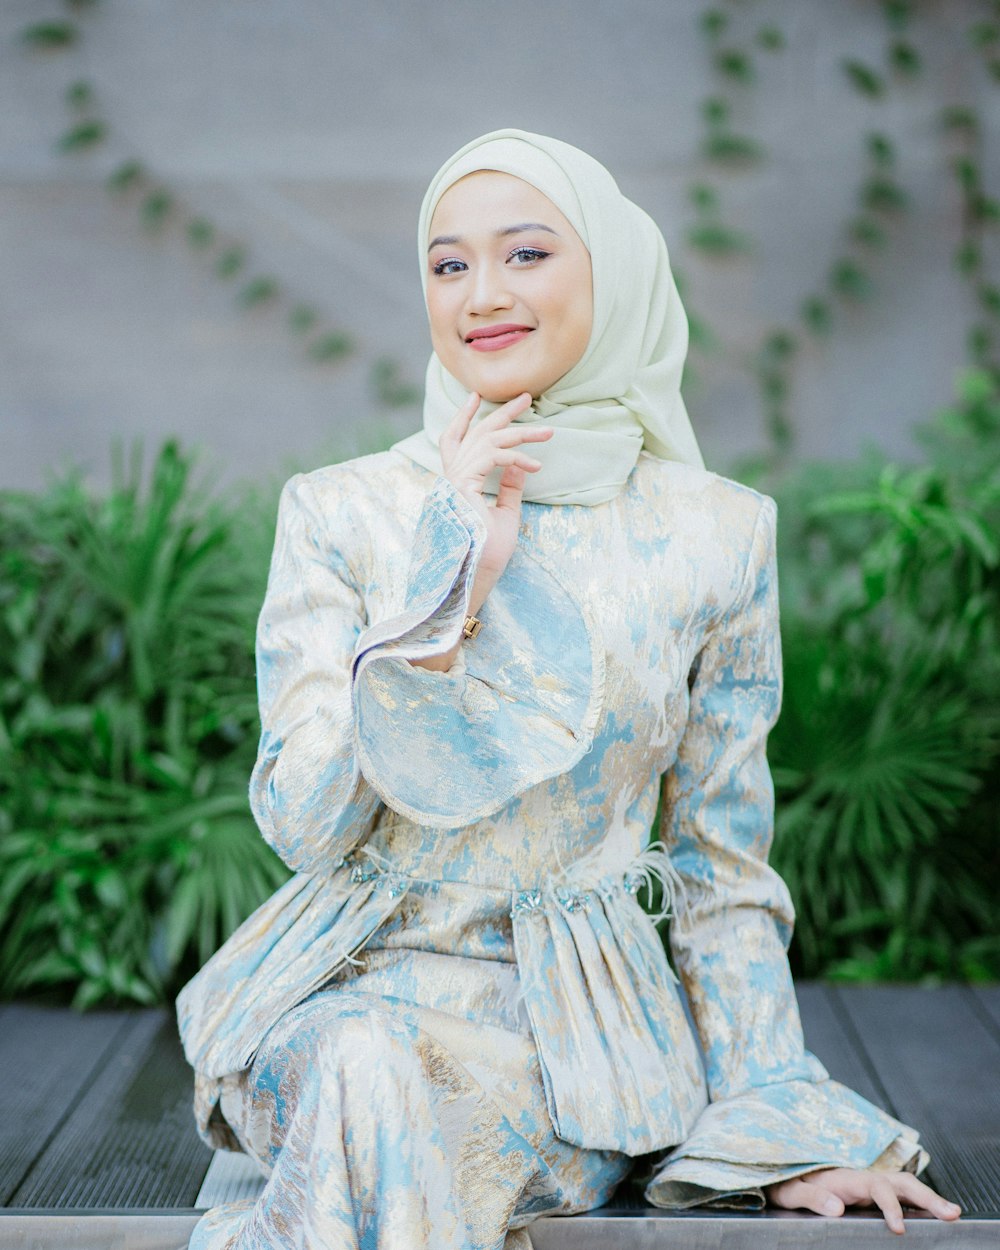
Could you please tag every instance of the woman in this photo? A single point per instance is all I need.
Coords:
(480, 654)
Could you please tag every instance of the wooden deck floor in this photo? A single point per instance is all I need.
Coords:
(98, 1148)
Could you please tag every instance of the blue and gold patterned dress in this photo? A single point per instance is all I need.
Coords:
(456, 1016)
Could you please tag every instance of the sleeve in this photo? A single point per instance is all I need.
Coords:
(347, 722)
(773, 1111)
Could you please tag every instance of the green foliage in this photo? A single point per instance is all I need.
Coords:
(392, 390)
(82, 135)
(328, 347)
(258, 291)
(904, 58)
(127, 731)
(231, 262)
(885, 757)
(716, 239)
(200, 232)
(155, 208)
(126, 175)
(80, 95)
(49, 35)
(864, 79)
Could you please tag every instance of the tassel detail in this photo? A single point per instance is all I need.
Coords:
(647, 870)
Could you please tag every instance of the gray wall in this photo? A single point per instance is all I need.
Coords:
(308, 129)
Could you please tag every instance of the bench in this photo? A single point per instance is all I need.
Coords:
(98, 1148)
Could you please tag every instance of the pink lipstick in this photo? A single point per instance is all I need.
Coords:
(495, 338)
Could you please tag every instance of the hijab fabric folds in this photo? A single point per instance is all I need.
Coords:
(624, 393)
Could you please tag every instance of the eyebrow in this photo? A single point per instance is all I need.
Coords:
(451, 239)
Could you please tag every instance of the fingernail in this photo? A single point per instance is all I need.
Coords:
(831, 1206)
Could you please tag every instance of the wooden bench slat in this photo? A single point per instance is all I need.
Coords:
(940, 1065)
(48, 1056)
(834, 1040)
(987, 997)
(131, 1140)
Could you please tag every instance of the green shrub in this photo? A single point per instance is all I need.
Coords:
(128, 728)
(885, 756)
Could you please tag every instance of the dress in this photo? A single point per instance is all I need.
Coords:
(456, 1016)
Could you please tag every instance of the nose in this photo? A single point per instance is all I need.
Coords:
(489, 291)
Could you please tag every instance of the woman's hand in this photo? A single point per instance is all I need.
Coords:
(828, 1191)
(468, 457)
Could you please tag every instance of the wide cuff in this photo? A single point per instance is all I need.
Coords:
(772, 1133)
(522, 705)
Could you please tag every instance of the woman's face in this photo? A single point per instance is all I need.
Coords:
(509, 291)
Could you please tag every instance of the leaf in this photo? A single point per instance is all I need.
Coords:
(713, 22)
(718, 240)
(257, 291)
(330, 346)
(883, 195)
(967, 257)
(389, 388)
(771, 38)
(881, 150)
(867, 231)
(734, 63)
(725, 146)
(864, 79)
(79, 95)
(898, 13)
(984, 34)
(230, 262)
(961, 118)
(126, 175)
(851, 279)
(84, 134)
(715, 110)
(966, 170)
(200, 232)
(302, 318)
(904, 58)
(155, 208)
(817, 314)
(50, 35)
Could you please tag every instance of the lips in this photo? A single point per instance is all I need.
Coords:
(495, 338)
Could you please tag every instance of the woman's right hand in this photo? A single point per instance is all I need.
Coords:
(469, 455)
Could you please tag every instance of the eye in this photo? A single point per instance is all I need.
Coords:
(528, 255)
(449, 265)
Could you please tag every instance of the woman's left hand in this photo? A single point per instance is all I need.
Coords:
(828, 1191)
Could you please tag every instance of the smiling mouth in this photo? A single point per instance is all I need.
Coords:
(494, 338)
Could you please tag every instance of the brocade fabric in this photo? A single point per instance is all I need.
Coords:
(456, 1016)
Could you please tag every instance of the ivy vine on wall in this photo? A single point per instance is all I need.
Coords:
(739, 43)
(736, 67)
(159, 206)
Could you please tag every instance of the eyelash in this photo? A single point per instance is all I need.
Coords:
(536, 254)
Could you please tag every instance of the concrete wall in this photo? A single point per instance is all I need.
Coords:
(308, 129)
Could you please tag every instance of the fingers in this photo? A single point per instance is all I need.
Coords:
(507, 412)
(511, 488)
(916, 1194)
(460, 422)
(827, 1191)
(469, 455)
(807, 1195)
(884, 1196)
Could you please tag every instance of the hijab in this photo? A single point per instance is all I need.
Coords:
(624, 394)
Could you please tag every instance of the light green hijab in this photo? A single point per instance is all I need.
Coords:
(624, 394)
